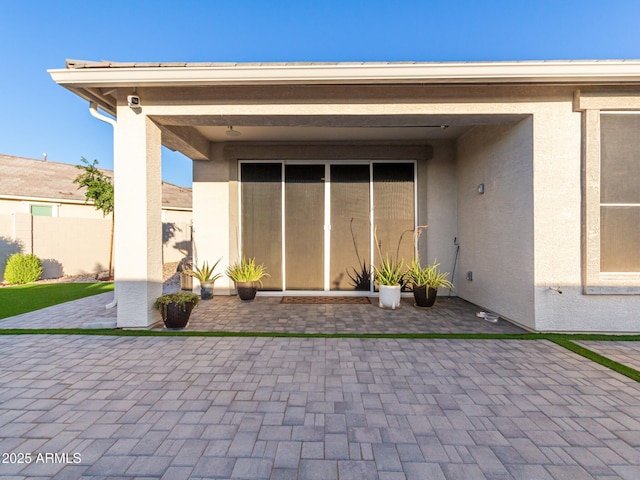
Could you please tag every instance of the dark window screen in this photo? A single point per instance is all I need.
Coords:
(304, 227)
(393, 210)
(262, 218)
(350, 228)
(620, 184)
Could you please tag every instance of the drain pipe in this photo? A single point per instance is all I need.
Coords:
(93, 110)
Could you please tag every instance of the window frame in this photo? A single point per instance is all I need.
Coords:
(55, 208)
(593, 105)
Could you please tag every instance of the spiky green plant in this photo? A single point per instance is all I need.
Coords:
(428, 276)
(204, 274)
(389, 272)
(246, 270)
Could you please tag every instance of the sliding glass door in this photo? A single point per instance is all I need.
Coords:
(393, 210)
(313, 224)
(261, 218)
(350, 250)
(304, 226)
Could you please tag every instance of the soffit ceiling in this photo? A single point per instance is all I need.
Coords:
(323, 134)
(288, 128)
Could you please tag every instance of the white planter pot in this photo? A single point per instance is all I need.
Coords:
(389, 296)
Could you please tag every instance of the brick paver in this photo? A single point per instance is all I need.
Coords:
(72, 314)
(304, 408)
(267, 314)
(626, 353)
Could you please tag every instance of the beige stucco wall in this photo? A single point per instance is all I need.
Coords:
(437, 207)
(75, 246)
(176, 216)
(8, 244)
(212, 229)
(68, 210)
(559, 235)
(495, 229)
(69, 246)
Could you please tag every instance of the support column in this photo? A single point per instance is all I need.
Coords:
(212, 208)
(138, 218)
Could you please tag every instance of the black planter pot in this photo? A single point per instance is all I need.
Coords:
(424, 297)
(246, 290)
(176, 316)
(206, 291)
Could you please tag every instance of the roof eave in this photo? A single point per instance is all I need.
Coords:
(436, 73)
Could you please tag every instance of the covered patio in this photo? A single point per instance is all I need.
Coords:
(491, 156)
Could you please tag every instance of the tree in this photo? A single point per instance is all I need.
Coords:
(100, 192)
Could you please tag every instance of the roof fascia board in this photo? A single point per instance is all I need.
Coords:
(451, 73)
(68, 201)
(26, 198)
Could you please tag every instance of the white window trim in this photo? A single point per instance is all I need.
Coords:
(594, 281)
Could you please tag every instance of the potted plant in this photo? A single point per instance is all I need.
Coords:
(176, 308)
(389, 275)
(206, 278)
(425, 281)
(246, 274)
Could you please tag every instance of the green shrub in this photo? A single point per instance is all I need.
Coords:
(21, 268)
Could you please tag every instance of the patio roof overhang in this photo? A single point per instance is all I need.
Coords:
(91, 80)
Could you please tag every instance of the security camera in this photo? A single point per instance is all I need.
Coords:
(134, 101)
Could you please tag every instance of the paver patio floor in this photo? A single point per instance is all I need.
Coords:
(267, 314)
(313, 408)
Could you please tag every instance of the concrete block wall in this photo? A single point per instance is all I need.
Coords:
(75, 246)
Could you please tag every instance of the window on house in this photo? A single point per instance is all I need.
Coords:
(41, 210)
(620, 193)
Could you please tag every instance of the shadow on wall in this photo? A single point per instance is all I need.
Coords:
(8, 247)
(184, 248)
(168, 232)
(176, 241)
(51, 268)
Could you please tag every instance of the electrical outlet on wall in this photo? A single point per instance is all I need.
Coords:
(470, 276)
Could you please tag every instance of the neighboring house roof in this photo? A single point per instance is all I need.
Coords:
(29, 178)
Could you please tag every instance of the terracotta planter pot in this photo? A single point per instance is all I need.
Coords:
(176, 316)
(389, 296)
(424, 297)
(246, 290)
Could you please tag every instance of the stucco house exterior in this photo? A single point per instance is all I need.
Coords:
(43, 212)
(527, 174)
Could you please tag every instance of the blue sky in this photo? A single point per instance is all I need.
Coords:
(38, 116)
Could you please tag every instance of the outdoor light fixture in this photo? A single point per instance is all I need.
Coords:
(133, 101)
(231, 132)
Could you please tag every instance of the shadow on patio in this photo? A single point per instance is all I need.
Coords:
(267, 314)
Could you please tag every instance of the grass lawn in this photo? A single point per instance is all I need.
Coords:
(27, 298)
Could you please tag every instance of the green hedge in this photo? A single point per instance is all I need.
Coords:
(21, 268)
